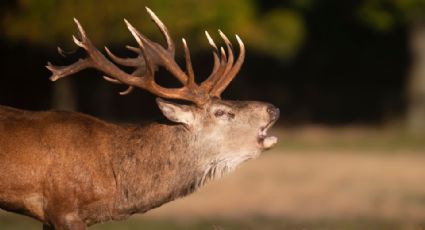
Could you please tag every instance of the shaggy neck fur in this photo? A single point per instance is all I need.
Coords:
(178, 165)
(217, 167)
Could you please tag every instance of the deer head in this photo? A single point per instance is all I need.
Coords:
(230, 127)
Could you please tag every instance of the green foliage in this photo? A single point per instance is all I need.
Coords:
(373, 13)
(49, 22)
(384, 15)
(281, 33)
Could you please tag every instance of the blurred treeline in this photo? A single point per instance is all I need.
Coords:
(333, 62)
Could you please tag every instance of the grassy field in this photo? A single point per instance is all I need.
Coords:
(316, 178)
(257, 223)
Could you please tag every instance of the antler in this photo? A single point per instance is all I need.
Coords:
(151, 55)
(223, 71)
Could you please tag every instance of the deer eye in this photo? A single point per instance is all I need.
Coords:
(219, 113)
(231, 115)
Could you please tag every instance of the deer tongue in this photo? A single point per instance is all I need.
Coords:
(266, 141)
(269, 142)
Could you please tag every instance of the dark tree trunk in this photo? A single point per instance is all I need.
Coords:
(64, 97)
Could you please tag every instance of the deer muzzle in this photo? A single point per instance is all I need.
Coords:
(264, 140)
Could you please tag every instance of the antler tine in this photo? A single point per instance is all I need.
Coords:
(160, 56)
(211, 81)
(61, 51)
(223, 56)
(215, 56)
(85, 42)
(211, 41)
(138, 73)
(221, 65)
(164, 30)
(149, 76)
(131, 62)
(64, 53)
(230, 57)
(134, 49)
(189, 67)
(63, 71)
(226, 79)
(112, 80)
(127, 91)
(138, 62)
(115, 81)
(138, 51)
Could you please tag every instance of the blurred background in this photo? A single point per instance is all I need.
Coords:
(348, 76)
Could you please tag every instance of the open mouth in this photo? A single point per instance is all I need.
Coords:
(266, 141)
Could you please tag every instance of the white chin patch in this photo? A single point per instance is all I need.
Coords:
(269, 142)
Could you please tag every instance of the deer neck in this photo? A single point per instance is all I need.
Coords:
(158, 163)
(162, 162)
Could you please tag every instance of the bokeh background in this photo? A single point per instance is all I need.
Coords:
(348, 76)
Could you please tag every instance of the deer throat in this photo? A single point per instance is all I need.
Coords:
(217, 167)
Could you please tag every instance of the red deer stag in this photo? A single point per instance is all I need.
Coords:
(70, 170)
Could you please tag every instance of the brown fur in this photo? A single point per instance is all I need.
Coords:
(69, 170)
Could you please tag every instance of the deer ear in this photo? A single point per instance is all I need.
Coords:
(176, 112)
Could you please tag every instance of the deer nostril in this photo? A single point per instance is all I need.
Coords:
(273, 112)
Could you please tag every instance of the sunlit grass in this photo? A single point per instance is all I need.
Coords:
(15, 222)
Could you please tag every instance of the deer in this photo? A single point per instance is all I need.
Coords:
(70, 170)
